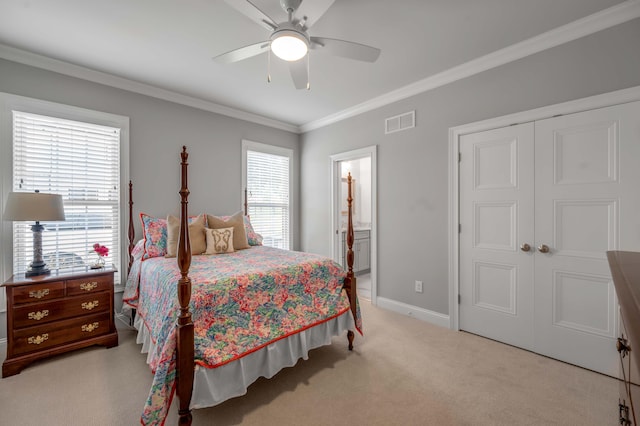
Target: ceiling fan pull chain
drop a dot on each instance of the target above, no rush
(269, 66)
(308, 70)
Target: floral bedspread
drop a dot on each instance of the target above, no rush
(241, 302)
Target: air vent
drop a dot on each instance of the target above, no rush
(400, 122)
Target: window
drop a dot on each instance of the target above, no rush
(79, 154)
(79, 161)
(267, 173)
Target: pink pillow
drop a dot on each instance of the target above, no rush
(154, 231)
(253, 237)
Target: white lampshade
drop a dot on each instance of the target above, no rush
(34, 206)
(289, 45)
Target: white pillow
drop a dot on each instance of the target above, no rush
(219, 240)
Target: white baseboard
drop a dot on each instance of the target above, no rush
(413, 311)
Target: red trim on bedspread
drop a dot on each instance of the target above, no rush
(257, 348)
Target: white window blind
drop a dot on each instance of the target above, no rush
(268, 197)
(81, 162)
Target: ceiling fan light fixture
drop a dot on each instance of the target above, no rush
(289, 45)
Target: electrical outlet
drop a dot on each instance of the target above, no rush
(418, 286)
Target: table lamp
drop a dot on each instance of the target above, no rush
(23, 206)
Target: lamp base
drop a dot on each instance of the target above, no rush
(37, 270)
(37, 267)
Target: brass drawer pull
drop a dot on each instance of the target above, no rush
(36, 340)
(39, 294)
(38, 315)
(89, 327)
(89, 286)
(89, 305)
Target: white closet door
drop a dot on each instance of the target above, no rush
(581, 199)
(496, 216)
(587, 201)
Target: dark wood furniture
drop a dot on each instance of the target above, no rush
(625, 270)
(52, 314)
(185, 364)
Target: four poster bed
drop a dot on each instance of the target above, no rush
(239, 315)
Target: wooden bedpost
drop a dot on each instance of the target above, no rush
(350, 282)
(131, 235)
(132, 232)
(185, 339)
(246, 204)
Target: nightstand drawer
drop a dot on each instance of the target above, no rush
(42, 313)
(89, 285)
(38, 292)
(37, 338)
(62, 311)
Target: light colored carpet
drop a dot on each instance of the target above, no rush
(403, 372)
(363, 282)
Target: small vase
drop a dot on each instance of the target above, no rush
(98, 263)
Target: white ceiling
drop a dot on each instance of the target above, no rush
(169, 44)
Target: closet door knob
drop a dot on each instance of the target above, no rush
(525, 247)
(543, 248)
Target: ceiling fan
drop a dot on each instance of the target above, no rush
(290, 40)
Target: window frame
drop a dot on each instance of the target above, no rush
(9, 103)
(248, 145)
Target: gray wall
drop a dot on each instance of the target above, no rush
(158, 129)
(413, 164)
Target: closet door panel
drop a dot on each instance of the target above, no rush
(586, 201)
(496, 211)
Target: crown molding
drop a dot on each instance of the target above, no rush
(599, 21)
(61, 67)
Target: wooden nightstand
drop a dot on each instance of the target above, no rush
(52, 314)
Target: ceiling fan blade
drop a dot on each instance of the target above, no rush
(243, 53)
(345, 49)
(310, 11)
(252, 12)
(298, 70)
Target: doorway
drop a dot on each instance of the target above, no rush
(361, 164)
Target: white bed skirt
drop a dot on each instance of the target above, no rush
(215, 385)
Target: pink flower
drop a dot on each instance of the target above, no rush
(101, 250)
